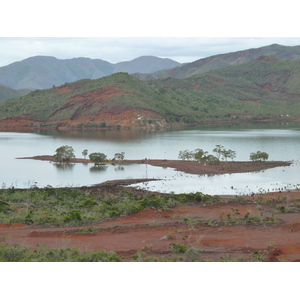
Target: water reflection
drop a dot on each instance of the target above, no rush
(64, 166)
(119, 168)
(103, 135)
(99, 168)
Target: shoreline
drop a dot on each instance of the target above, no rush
(29, 125)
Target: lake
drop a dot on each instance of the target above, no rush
(280, 141)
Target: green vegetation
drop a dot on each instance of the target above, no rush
(259, 156)
(234, 218)
(178, 248)
(98, 158)
(224, 153)
(66, 206)
(64, 154)
(79, 206)
(119, 156)
(83, 206)
(85, 153)
(202, 156)
(248, 92)
(18, 253)
(178, 252)
(50, 104)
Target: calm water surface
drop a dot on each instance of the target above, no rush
(280, 141)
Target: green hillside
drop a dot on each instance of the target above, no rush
(52, 104)
(265, 88)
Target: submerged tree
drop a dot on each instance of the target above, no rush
(64, 154)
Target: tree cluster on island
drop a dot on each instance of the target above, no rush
(220, 154)
(203, 156)
(64, 154)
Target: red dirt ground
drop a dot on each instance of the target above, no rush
(152, 231)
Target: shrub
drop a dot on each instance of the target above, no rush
(178, 248)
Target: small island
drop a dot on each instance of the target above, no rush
(191, 162)
(190, 167)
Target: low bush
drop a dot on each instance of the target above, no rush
(18, 253)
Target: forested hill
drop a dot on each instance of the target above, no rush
(263, 89)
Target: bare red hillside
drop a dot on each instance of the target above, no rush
(129, 118)
(86, 103)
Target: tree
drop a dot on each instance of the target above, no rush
(119, 156)
(264, 156)
(64, 154)
(254, 156)
(211, 159)
(229, 154)
(185, 155)
(224, 153)
(200, 155)
(219, 150)
(259, 156)
(98, 158)
(85, 153)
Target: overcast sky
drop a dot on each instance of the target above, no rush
(123, 30)
(124, 49)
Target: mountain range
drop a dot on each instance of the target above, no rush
(219, 61)
(9, 93)
(251, 88)
(42, 72)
